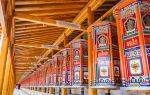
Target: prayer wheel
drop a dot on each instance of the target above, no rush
(56, 70)
(79, 63)
(105, 54)
(65, 67)
(133, 23)
(50, 69)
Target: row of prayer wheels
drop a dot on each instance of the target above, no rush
(120, 53)
(70, 67)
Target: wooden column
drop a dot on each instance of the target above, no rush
(38, 89)
(10, 85)
(90, 59)
(3, 58)
(8, 89)
(7, 75)
(64, 91)
(51, 91)
(43, 90)
(35, 90)
(12, 79)
(65, 40)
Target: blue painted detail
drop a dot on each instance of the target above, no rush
(95, 33)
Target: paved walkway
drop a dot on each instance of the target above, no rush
(19, 92)
(26, 92)
(31, 92)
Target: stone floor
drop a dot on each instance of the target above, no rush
(19, 92)
(74, 92)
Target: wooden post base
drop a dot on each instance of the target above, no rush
(51, 91)
(64, 91)
(107, 92)
(70, 91)
(82, 91)
(92, 91)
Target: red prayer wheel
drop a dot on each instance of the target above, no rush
(133, 24)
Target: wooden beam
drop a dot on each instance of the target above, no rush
(21, 67)
(27, 2)
(17, 70)
(52, 12)
(28, 27)
(25, 23)
(31, 41)
(40, 29)
(22, 63)
(27, 65)
(38, 35)
(50, 22)
(43, 35)
(37, 40)
(36, 46)
(48, 6)
(27, 57)
(24, 70)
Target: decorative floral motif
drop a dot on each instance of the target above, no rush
(104, 71)
(135, 66)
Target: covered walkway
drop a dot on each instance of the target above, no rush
(75, 47)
